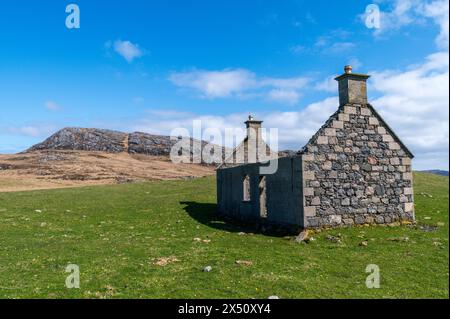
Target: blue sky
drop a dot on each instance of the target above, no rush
(156, 65)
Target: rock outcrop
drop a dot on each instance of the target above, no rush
(99, 140)
(84, 139)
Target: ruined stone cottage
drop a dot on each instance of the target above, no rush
(354, 170)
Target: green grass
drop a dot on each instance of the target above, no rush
(115, 234)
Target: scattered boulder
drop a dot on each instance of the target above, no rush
(207, 269)
(428, 228)
(244, 262)
(334, 239)
(303, 237)
(426, 195)
(4, 166)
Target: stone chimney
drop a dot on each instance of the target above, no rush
(352, 87)
(253, 128)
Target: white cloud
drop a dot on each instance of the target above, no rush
(415, 103)
(28, 130)
(299, 49)
(327, 85)
(439, 12)
(240, 83)
(284, 96)
(289, 83)
(53, 106)
(294, 128)
(128, 50)
(215, 84)
(401, 13)
(355, 63)
(339, 47)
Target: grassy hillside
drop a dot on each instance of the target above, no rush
(152, 240)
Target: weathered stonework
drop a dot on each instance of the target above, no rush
(364, 176)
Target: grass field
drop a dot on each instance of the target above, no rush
(153, 240)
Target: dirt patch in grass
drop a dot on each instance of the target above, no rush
(60, 169)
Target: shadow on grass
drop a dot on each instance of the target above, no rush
(206, 214)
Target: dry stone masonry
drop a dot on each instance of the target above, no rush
(354, 170)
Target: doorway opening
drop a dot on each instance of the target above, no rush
(262, 197)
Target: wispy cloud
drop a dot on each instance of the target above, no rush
(284, 96)
(337, 41)
(240, 83)
(295, 128)
(32, 130)
(416, 103)
(439, 12)
(215, 84)
(128, 50)
(397, 14)
(339, 47)
(52, 106)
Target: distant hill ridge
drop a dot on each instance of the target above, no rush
(92, 139)
(436, 172)
(102, 140)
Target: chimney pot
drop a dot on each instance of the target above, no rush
(348, 69)
(352, 87)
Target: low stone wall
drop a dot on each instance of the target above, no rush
(356, 172)
(280, 191)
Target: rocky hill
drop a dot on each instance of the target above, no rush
(99, 140)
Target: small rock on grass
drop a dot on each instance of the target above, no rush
(363, 243)
(302, 237)
(428, 228)
(244, 262)
(207, 269)
(273, 297)
(333, 239)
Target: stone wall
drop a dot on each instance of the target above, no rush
(356, 171)
(281, 192)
